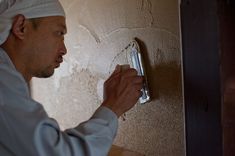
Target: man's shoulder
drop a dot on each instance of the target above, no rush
(6, 70)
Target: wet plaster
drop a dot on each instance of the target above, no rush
(97, 33)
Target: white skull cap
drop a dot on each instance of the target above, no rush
(28, 8)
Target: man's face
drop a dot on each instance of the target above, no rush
(46, 46)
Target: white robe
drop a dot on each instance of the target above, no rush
(26, 129)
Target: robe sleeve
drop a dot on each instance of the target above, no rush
(26, 129)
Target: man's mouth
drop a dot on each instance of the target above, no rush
(59, 61)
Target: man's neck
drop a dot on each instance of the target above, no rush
(12, 53)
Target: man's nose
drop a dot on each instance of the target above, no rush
(63, 49)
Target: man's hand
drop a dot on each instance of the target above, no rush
(122, 89)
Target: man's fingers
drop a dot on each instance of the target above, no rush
(129, 73)
(117, 69)
(125, 67)
(138, 80)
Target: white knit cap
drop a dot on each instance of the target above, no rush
(28, 8)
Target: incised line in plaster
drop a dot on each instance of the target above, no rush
(91, 32)
(138, 28)
(96, 36)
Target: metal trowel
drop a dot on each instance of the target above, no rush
(136, 61)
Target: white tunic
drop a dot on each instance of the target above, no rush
(26, 129)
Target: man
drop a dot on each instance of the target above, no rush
(32, 45)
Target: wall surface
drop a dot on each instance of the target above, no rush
(97, 33)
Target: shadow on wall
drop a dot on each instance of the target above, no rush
(163, 79)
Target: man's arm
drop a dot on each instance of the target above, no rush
(27, 130)
(91, 138)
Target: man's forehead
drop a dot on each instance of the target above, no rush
(58, 20)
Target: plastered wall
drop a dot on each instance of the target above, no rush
(98, 30)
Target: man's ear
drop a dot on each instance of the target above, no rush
(18, 26)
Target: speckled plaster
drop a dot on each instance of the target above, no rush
(97, 33)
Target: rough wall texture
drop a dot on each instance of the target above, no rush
(97, 32)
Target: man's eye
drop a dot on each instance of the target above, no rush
(60, 33)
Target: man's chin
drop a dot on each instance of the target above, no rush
(45, 74)
(57, 66)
